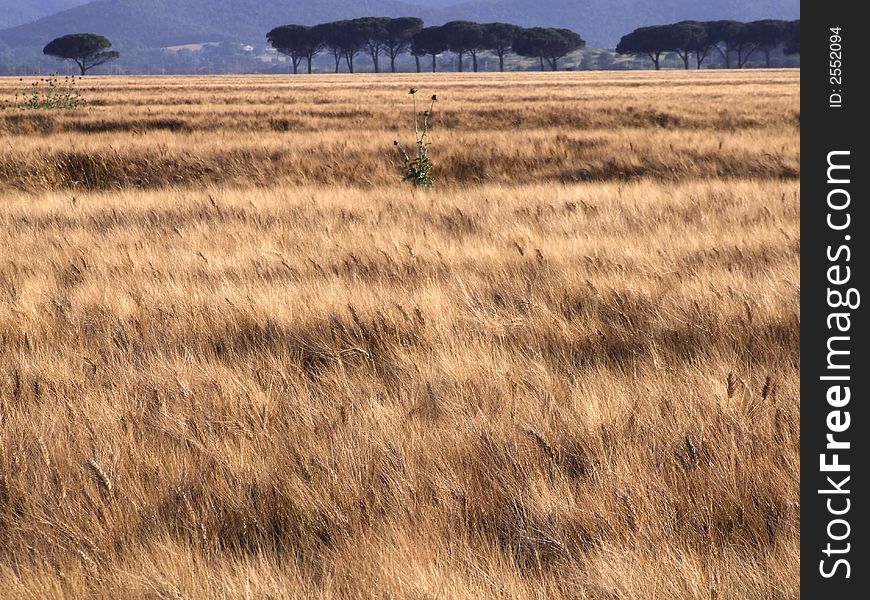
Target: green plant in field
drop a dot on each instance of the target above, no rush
(418, 169)
(47, 93)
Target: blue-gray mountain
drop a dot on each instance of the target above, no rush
(156, 23)
(16, 12)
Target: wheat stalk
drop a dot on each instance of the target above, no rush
(100, 475)
(542, 442)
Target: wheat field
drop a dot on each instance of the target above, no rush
(240, 358)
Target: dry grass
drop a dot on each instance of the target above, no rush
(526, 129)
(570, 371)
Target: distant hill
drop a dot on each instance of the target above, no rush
(16, 12)
(158, 23)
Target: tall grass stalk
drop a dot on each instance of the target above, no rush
(418, 169)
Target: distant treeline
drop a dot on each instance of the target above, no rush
(731, 39)
(385, 37)
(399, 44)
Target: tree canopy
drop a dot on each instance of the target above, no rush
(87, 50)
(699, 38)
(373, 33)
(651, 41)
(687, 37)
(463, 37)
(765, 35)
(399, 36)
(391, 37)
(547, 43)
(560, 43)
(298, 42)
(724, 37)
(429, 41)
(499, 38)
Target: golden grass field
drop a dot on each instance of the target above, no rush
(240, 358)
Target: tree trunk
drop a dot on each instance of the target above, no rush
(348, 58)
(727, 56)
(656, 58)
(417, 59)
(309, 64)
(393, 63)
(375, 57)
(474, 61)
(745, 59)
(542, 62)
(434, 63)
(554, 62)
(337, 58)
(501, 62)
(461, 56)
(767, 57)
